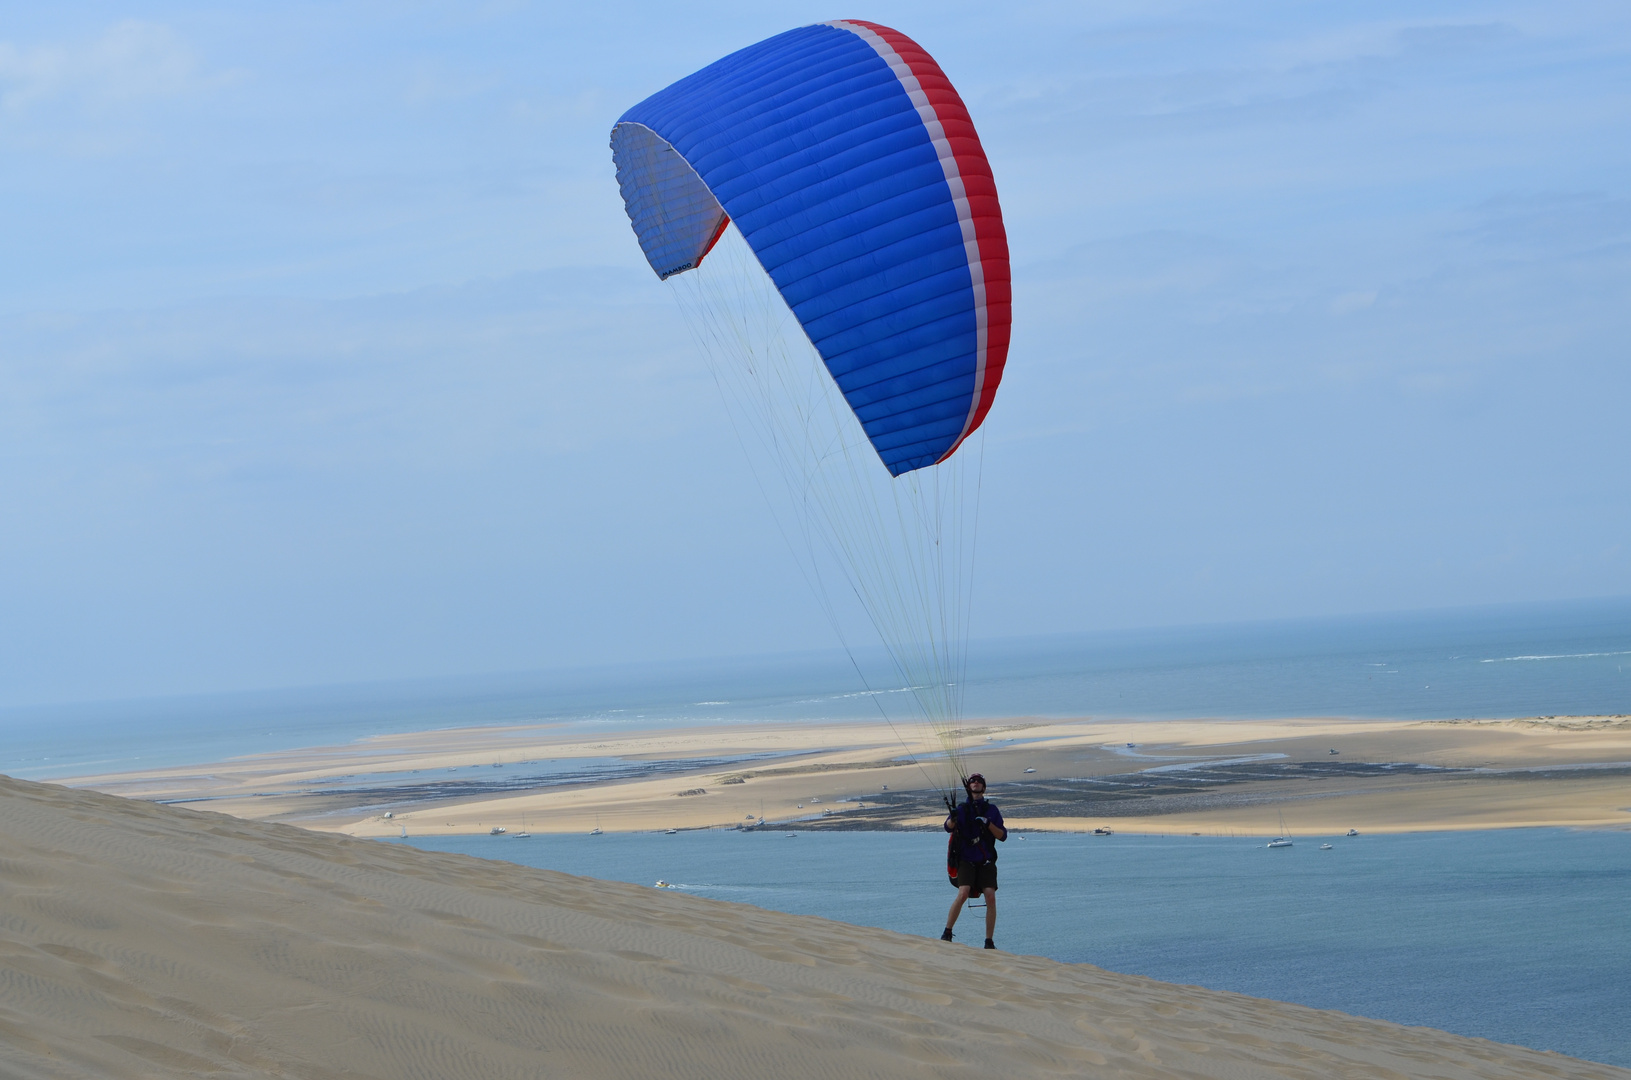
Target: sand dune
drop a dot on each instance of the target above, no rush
(139, 940)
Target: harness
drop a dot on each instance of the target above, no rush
(963, 829)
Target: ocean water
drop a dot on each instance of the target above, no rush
(1524, 660)
(1520, 936)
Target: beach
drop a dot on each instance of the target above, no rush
(144, 940)
(1213, 777)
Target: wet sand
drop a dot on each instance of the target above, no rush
(141, 941)
(1197, 776)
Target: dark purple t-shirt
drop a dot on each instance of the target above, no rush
(974, 841)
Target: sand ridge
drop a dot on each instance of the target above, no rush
(141, 940)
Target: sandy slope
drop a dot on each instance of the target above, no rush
(144, 941)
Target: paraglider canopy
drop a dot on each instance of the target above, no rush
(851, 167)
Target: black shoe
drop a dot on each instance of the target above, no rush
(946, 935)
(990, 944)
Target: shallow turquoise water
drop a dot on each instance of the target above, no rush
(1521, 936)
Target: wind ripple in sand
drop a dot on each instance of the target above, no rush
(140, 941)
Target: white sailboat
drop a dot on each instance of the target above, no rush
(1284, 839)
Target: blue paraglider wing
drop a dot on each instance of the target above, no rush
(850, 165)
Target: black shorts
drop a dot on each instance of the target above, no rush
(977, 877)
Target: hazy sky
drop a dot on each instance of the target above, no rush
(327, 354)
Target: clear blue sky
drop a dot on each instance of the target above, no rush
(326, 352)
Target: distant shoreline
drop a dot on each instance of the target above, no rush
(1322, 775)
(1419, 666)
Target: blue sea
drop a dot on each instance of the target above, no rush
(1521, 936)
(1518, 660)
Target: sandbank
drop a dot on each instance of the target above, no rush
(142, 941)
(1317, 776)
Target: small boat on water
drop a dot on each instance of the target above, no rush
(1353, 832)
(661, 884)
(595, 831)
(1280, 841)
(1325, 847)
(671, 832)
(1101, 831)
(497, 830)
(1030, 770)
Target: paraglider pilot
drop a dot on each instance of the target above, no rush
(974, 825)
